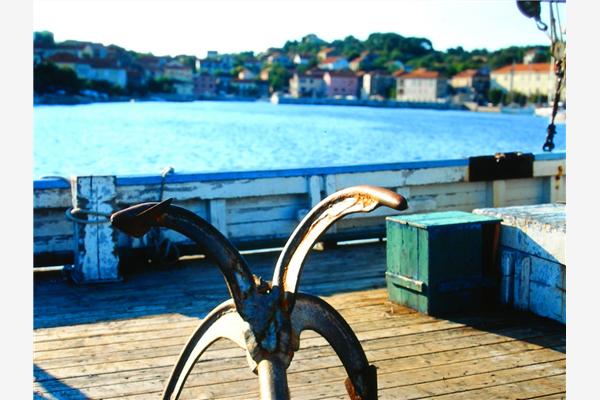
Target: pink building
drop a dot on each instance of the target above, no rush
(340, 83)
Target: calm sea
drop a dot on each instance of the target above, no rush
(144, 137)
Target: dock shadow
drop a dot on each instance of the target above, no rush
(55, 386)
(195, 286)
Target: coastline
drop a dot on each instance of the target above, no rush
(64, 99)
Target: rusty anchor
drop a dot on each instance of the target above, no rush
(266, 318)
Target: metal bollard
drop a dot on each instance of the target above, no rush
(266, 318)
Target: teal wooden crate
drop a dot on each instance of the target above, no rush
(443, 262)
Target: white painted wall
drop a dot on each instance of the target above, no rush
(253, 210)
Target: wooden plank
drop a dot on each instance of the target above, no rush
(264, 214)
(525, 191)
(96, 258)
(434, 378)
(218, 371)
(51, 198)
(132, 358)
(406, 177)
(218, 215)
(52, 244)
(215, 190)
(315, 185)
(549, 167)
(499, 193)
(280, 229)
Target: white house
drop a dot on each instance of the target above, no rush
(420, 85)
(528, 79)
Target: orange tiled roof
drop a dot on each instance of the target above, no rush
(421, 73)
(467, 73)
(66, 58)
(535, 67)
(330, 60)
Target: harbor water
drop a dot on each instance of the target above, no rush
(209, 136)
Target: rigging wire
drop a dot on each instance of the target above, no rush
(532, 9)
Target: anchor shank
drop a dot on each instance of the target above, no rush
(272, 378)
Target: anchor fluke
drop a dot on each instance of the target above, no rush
(139, 219)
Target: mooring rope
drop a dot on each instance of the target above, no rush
(164, 250)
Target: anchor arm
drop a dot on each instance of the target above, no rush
(139, 219)
(355, 199)
(315, 314)
(222, 322)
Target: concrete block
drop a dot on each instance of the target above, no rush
(546, 301)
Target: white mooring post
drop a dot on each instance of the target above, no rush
(95, 244)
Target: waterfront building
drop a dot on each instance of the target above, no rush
(528, 79)
(421, 85)
(376, 84)
(81, 67)
(208, 65)
(223, 82)
(334, 63)
(471, 84)
(136, 76)
(215, 64)
(205, 85)
(340, 83)
(177, 71)
(244, 87)
(151, 66)
(108, 70)
(43, 51)
(309, 84)
(92, 69)
(182, 75)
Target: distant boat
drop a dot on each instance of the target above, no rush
(514, 109)
(561, 114)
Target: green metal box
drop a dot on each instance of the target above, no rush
(443, 262)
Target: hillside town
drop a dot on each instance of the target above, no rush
(94, 72)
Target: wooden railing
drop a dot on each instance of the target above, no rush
(261, 208)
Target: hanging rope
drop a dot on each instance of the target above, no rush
(532, 9)
(559, 56)
(164, 251)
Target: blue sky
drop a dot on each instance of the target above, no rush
(193, 27)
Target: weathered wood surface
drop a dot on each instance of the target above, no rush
(265, 206)
(120, 340)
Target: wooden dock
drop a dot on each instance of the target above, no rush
(120, 340)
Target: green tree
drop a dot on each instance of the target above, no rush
(43, 39)
(278, 77)
(48, 78)
(161, 85)
(495, 96)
